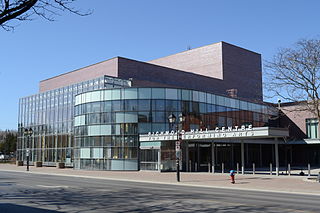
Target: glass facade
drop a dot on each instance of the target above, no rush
(107, 122)
(51, 116)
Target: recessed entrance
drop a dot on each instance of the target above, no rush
(227, 156)
(199, 157)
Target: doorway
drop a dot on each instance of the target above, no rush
(199, 157)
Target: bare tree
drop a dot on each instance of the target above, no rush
(22, 10)
(294, 75)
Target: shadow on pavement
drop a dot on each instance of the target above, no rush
(124, 199)
(13, 208)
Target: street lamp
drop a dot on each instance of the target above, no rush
(28, 133)
(279, 112)
(172, 120)
(182, 118)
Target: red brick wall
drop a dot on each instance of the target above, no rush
(201, 70)
(205, 61)
(297, 118)
(238, 68)
(242, 71)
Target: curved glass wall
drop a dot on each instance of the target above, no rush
(107, 122)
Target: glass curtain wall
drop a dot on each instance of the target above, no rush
(50, 115)
(108, 122)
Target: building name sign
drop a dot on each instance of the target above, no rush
(222, 132)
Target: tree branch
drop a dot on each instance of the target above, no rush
(23, 10)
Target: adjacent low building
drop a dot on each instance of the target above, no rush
(113, 115)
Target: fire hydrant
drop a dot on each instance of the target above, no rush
(232, 174)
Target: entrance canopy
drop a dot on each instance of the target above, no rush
(218, 134)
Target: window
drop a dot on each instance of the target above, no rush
(144, 93)
(97, 153)
(144, 117)
(85, 153)
(131, 105)
(171, 94)
(93, 118)
(312, 128)
(144, 105)
(130, 93)
(158, 105)
(158, 93)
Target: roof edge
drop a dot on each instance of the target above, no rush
(116, 57)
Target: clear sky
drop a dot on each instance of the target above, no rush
(142, 30)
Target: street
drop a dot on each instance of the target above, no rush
(33, 193)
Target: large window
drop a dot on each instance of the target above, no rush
(312, 127)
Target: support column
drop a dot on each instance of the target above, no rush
(260, 147)
(242, 157)
(55, 151)
(32, 149)
(43, 145)
(198, 157)
(232, 156)
(187, 156)
(276, 153)
(159, 160)
(212, 157)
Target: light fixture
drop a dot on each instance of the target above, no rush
(172, 118)
(182, 117)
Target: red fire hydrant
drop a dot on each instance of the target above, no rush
(232, 174)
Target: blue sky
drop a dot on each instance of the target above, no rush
(142, 30)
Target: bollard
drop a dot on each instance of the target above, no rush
(60, 165)
(213, 168)
(253, 168)
(209, 167)
(195, 167)
(222, 168)
(237, 168)
(38, 164)
(309, 172)
(270, 168)
(190, 169)
(19, 163)
(289, 169)
(319, 177)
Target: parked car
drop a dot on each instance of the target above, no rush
(4, 157)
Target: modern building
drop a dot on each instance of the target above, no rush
(113, 115)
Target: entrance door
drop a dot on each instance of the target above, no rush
(223, 157)
(204, 157)
(199, 157)
(149, 159)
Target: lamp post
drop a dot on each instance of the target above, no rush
(172, 120)
(28, 133)
(279, 111)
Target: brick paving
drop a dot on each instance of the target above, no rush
(292, 184)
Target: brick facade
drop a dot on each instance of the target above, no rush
(213, 68)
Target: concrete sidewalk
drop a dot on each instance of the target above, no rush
(292, 184)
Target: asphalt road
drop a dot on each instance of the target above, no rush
(34, 193)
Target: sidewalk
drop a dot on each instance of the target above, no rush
(292, 184)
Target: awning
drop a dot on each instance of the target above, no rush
(218, 134)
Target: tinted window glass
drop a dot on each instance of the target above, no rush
(144, 105)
